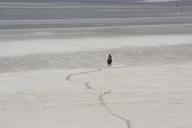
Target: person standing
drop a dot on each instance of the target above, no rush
(109, 60)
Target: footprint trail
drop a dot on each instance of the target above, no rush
(101, 96)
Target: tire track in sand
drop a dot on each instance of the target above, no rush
(101, 96)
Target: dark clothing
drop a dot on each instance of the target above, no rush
(109, 60)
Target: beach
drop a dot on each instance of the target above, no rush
(54, 73)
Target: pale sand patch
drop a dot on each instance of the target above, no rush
(149, 96)
(46, 46)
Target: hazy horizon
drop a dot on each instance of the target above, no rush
(93, 1)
